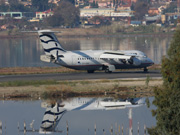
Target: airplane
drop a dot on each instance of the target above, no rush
(90, 60)
(54, 112)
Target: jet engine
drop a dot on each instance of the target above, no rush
(134, 61)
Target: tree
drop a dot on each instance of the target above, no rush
(54, 21)
(4, 8)
(141, 8)
(71, 1)
(99, 20)
(18, 7)
(40, 5)
(172, 8)
(2, 2)
(65, 14)
(94, 4)
(15, 6)
(167, 98)
(13, 2)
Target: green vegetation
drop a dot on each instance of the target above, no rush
(35, 70)
(119, 28)
(140, 8)
(52, 88)
(148, 104)
(40, 5)
(147, 80)
(27, 83)
(94, 4)
(172, 8)
(71, 1)
(66, 14)
(167, 98)
(14, 5)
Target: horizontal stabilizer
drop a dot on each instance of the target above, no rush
(46, 58)
(48, 31)
(41, 31)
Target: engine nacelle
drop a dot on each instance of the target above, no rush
(136, 61)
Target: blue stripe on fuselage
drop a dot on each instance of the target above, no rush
(55, 48)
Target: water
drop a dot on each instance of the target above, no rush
(81, 114)
(25, 52)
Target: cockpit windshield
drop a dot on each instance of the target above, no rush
(143, 54)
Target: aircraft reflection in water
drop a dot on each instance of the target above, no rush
(54, 112)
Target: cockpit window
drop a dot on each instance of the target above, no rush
(143, 55)
(134, 53)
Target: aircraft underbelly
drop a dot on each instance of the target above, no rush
(86, 67)
(129, 66)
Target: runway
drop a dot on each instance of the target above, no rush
(81, 76)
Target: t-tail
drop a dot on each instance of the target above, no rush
(50, 44)
(51, 118)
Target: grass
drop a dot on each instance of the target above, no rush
(27, 83)
(61, 89)
(34, 70)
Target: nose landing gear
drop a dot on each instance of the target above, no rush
(145, 69)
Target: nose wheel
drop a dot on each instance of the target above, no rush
(145, 69)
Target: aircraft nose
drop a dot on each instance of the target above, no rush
(150, 61)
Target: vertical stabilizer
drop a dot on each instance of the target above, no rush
(50, 43)
(51, 118)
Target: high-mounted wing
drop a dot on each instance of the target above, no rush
(116, 55)
(124, 58)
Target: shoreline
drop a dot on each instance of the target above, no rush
(64, 89)
(82, 32)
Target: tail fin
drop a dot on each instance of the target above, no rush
(50, 43)
(51, 118)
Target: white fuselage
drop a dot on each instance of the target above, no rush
(91, 60)
(54, 113)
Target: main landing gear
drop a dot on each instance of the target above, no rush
(107, 70)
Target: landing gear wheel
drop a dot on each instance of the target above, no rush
(90, 71)
(107, 71)
(145, 70)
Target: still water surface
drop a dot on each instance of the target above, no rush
(25, 52)
(81, 114)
